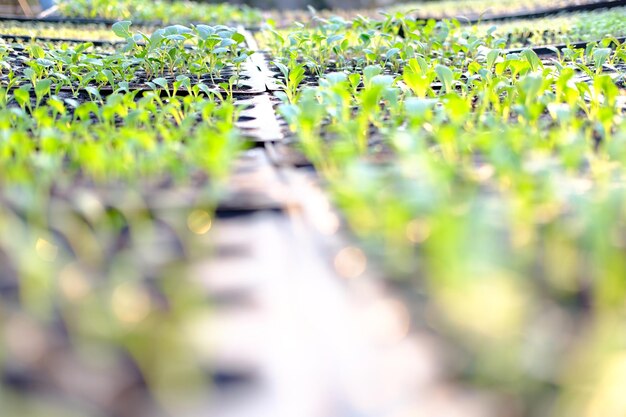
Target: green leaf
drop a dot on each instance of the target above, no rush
(365, 38)
(71, 102)
(417, 80)
(600, 56)
(175, 37)
(335, 78)
(290, 112)
(296, 75)
(241, 58)
(184, 81)
(446, 76)
(355, 80)
(533, 59)
(93, 91)
(418, 107)
(57, 105)
(83, 47)
(124, 86)
(283, 69)
(121, 29)
(205, 89)
(370, 72)
(84, 110)
(161, 82)
(46, 63)
(391, 53)
(110, 77)
(238, 37)
(492, 56)
(42, 87)
(334, 38)
(383, 80)
(204, 31)
(37, 51)
(22, 97)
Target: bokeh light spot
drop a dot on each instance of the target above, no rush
(350, 262)
(130, 303)
(199, 222)
(417, 231)
(46, 250)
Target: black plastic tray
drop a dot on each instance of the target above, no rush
(550, 49)
(534, 14)
(106, 22)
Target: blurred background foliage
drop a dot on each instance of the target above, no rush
(13, 6)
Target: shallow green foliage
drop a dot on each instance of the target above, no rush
(487, 180)
(161, 11)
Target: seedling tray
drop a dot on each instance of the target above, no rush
(107, 22)
(253, 76)
(165, 196)
(57, 19)
(532, 14)
(285, 154)
(251, 81)
(550, 50)
(25, 39)
(259, 122)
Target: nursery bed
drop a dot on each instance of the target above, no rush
(429, 205)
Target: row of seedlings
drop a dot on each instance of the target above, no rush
(115, 161)
(498, 11)
(160, 11)
(489, 183)
(185, 12)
